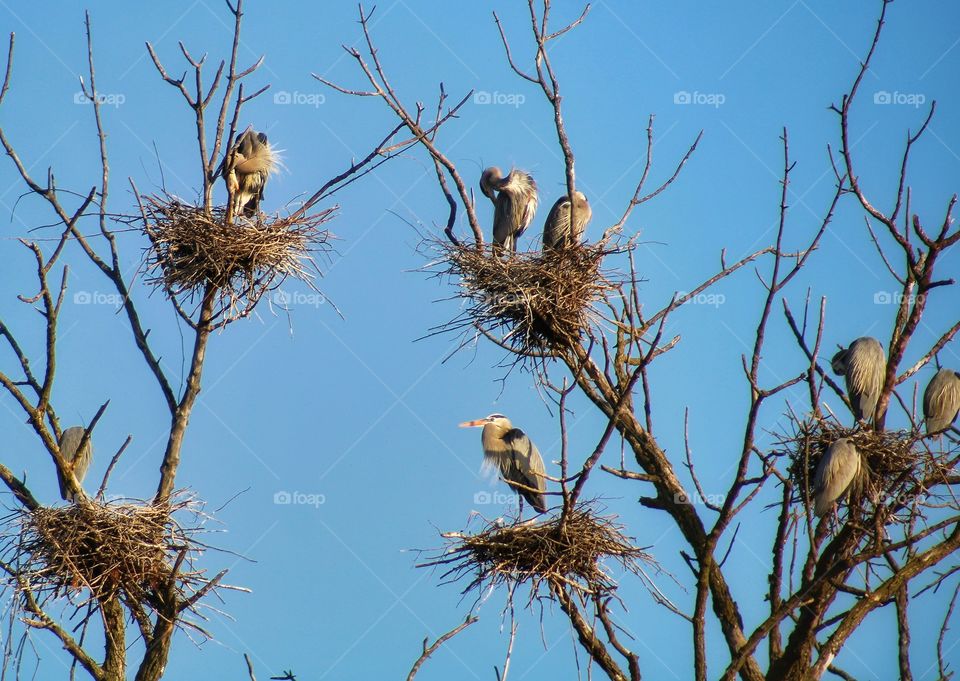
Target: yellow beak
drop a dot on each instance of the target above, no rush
(473, 424)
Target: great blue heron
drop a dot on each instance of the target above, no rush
(79, 462)
(556, 230)
(515, 456)
(862, 365)
(941, 401)
(837, 473)
(515, 202)
(254, 160)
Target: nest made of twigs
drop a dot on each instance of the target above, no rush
(569, 549)
(106, 547)
(191, 249)
(536, 301)
(891, 459)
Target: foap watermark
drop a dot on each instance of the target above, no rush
(914, 99)
(699, 499)
(514, 99)
(314, 99)
(484, 497)
(712, 299)
(714, 99)
(893, 298)
(97, 298)
(288, 299)
(114, 99)
(285, 498)
(900, 499)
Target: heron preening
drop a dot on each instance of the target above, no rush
(515, 201)
(862, 365)
(557, 232)
(941, 401)
(838, 471)
(253, 161)
(79, 461)
(515, 456)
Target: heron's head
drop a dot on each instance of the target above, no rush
(496, 421)
(490, 181)
(839, 362)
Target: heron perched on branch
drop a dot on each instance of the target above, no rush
(862, 365)
(245, 170)
(515, 201)
(941, 401)
(515, 456)
(79, 462)
(837, 473)
(557, 232)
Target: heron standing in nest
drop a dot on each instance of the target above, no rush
(79, 462)
(838, 472)
(862, 365)
(941, 401)
(515, 456)
(557, 231)
(245, 171)
(515, 201)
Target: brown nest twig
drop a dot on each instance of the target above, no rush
(568, 550)
(537, 302)
(191, 249)
(131, 548)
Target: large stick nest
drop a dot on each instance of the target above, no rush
(133, 549)
(894, 462)
(568, 550)
(536, 302)
(191, 249)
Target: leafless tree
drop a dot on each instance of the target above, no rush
(827, 575)
(40, 572)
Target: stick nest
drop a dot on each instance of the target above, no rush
(894, 462)
(191, 249)
(133, 549)
(537, 302)
(567, 550)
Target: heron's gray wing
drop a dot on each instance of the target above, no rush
(836, 471)
(525, 467)
(941, 400)
(584, 215)
(502, 220)
(866, 364)
(557, 227)
(69, 444)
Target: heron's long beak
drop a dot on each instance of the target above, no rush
(473, 424)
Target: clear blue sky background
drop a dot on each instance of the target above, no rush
(353, 409)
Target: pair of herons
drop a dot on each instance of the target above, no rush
(515, 200)
(863, 366)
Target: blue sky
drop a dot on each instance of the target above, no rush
(352, 412)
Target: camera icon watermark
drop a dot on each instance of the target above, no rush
(114, 99)
(314, 99)
(285, 498)
(514, 99)
(914, 99)
(714, 99)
